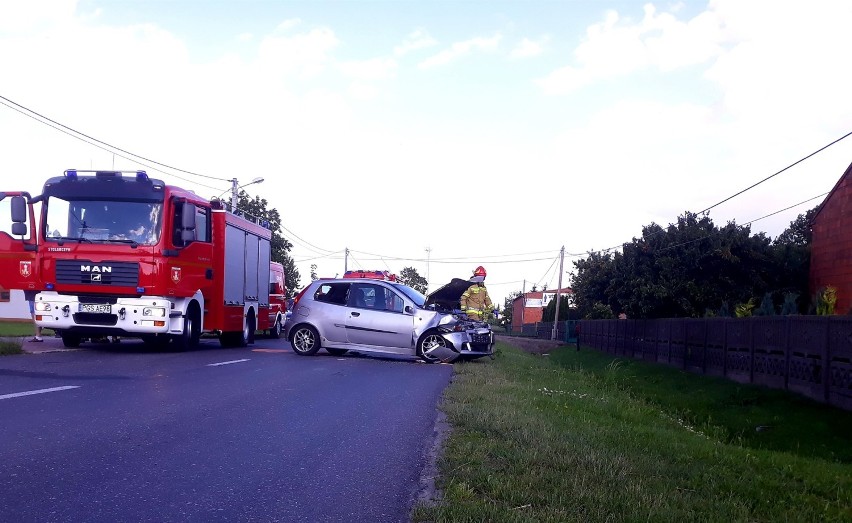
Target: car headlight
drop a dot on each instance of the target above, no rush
(154, 312)
(42, 306)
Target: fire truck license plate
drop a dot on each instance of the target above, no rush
(95, 307)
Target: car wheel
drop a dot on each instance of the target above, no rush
(305, 340)
(430, 341)
(337, 352)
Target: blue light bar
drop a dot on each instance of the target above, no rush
(71, 174)
(49, 286)
(141, 176)
(140, 290)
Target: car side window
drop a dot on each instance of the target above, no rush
(394, 301)
(332, 293)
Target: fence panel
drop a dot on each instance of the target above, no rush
(714, 362)
(649, 347)
(769, 357)
(738, 350)
(696, 333)
(677, 352)
(840, 362)
(808, 347)
(664, 333)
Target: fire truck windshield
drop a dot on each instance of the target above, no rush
(132, 222)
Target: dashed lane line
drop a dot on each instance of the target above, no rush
(39, 391)
(226, 363)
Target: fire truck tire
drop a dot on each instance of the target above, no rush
(277, 329)
(305, 340)
(70, 340)
(242, 338)
(191, 330)
(156, 341)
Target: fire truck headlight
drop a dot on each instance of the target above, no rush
(154, 312)
(42, 306)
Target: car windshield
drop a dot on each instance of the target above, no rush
(412, 294)
(96, 220)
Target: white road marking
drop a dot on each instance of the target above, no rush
(39, 391)
(225, 363)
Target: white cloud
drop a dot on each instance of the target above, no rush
(304, 54)
(616, 47)
(419, 39)
(373, 69)
(527, 48)
(460, 49)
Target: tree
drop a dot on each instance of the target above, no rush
(314, 276)
(410, 277)
(256, 209)
(508, 307)
(792, 252)
(682, 270)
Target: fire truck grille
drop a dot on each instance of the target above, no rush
(83, 272)
(88, 318)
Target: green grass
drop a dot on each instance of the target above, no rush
(20, 328)
(9, 348)
(16, 329)
(586, 437)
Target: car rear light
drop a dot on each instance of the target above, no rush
(298, 297)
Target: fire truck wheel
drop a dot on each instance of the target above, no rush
(277, 329)
(305, 340)
(191, 330)
(156, 341)
(70, 340)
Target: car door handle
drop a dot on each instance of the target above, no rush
(356, 314)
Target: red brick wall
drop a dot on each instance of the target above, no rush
(831, 245)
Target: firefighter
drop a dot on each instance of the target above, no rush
(475, 301)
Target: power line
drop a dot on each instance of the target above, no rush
(102, 142)
(776, 174)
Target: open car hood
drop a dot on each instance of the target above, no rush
(448, 296)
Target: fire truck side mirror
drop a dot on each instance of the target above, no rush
(187, 223)
(19, 215)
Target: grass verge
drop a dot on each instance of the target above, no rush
(586, 437)
(9, 348)
(20, 328)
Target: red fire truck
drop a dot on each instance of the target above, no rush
(119, 253)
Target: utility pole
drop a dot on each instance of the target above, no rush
(523, 303)
(428, 256)
(234, 195)
(346, 261)
(558, 293)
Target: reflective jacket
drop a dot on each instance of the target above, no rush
(476, 303)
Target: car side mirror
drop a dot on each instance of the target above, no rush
(408, 309)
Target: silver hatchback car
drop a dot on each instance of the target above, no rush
(386, 317)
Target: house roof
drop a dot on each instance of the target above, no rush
(839, 183)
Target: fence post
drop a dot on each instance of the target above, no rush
(788, 347)
(826, 358)
(751, 349)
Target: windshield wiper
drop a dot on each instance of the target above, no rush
(62, 239)
(133, 243)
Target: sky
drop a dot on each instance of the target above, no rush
(441, 135)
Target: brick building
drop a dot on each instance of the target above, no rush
(831, 243)
(529, 307)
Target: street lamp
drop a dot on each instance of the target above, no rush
(235, 191)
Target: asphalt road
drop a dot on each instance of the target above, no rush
(117, 433)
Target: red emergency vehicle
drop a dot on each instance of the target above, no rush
(374, 275)
(119, 253)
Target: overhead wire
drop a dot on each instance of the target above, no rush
(28, 110)
(777, 173)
